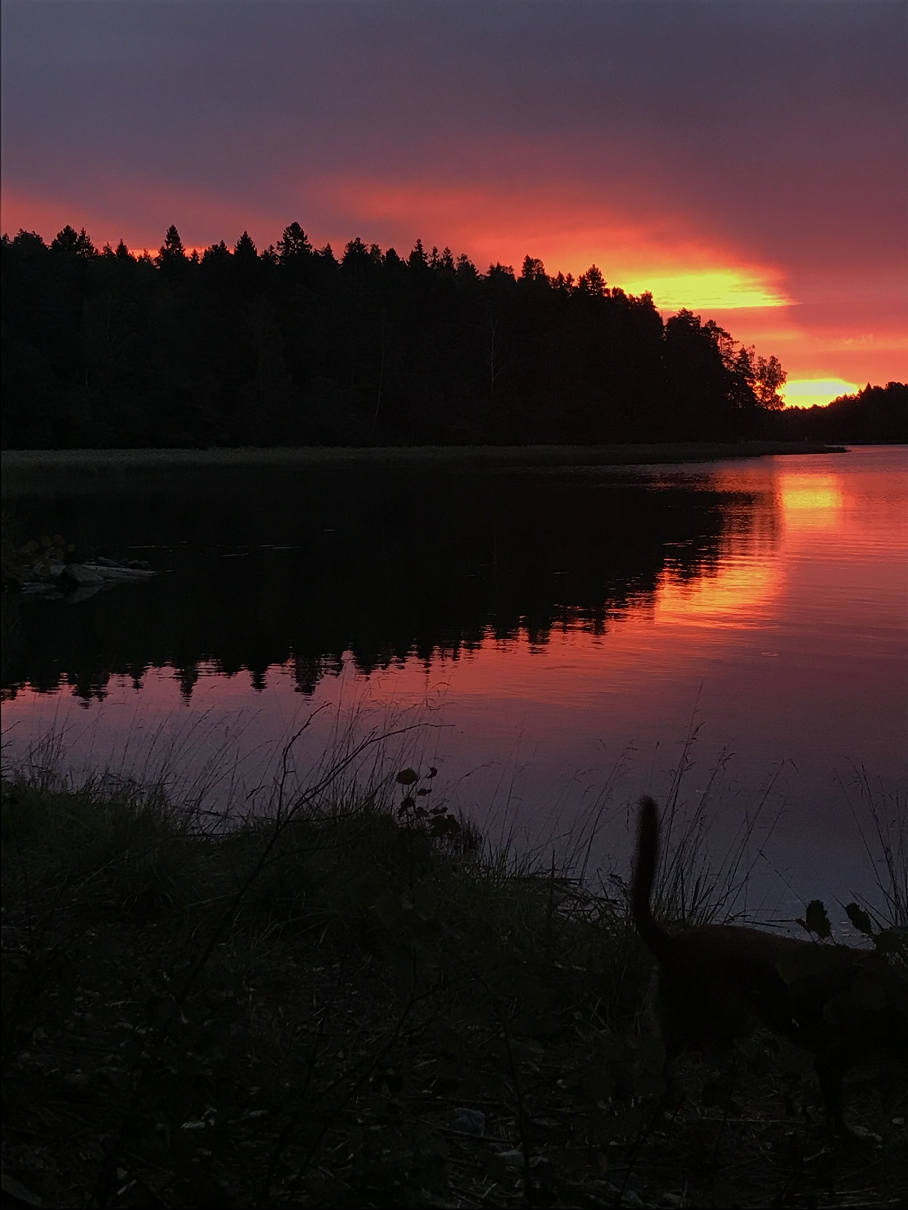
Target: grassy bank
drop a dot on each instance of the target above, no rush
(354, 1003)
(53, 462)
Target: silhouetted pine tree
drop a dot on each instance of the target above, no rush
(292, 345)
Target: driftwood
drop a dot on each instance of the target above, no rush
(78, 581)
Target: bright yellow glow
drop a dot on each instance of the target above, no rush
(811, 501)
(726, 599)
(805, 392)
(153, 252)
(722, 289)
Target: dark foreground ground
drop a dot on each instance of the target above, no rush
(355, 1009)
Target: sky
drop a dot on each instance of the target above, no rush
(747, 159)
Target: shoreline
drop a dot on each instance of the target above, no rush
(56, 461)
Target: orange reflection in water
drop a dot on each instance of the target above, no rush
(673, 631)
(790, 646)
(811, 501)
(737, 593)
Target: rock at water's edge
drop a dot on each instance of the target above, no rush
(82, 575)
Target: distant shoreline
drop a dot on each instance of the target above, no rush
(46, 462)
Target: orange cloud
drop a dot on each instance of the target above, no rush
(665, 254)
(638, 245)
(826, 342)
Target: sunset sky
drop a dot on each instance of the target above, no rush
(745, 158)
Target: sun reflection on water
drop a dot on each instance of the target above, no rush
(737, 592)
(811, 501)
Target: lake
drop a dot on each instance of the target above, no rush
(557, 639)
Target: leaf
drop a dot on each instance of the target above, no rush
(444, 825)
(859, 919)
(406, 777)
(817, 920)
(433, 772)
(423, 790)
(407, 805)
(892, 941)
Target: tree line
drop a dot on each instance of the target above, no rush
(877, 415)
(294, 345)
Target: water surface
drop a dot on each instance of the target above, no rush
(561, 631)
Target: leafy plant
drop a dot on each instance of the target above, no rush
(35, 557)
(436, 821)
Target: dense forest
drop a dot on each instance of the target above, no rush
(874, 414)
(295, 346)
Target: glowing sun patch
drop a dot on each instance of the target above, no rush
(805, 392)
(721, 290)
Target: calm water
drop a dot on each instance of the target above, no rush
(555, 635)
